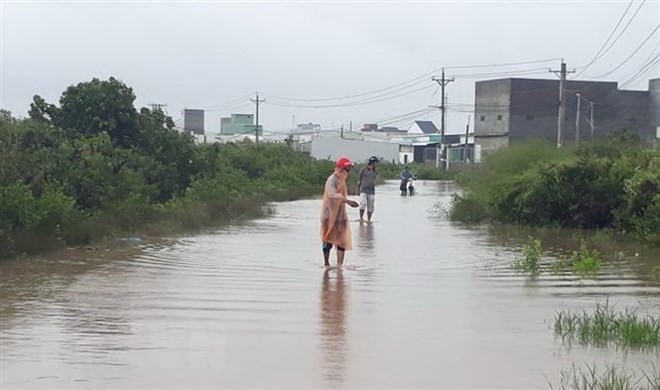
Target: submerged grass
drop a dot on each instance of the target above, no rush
(605, 326)
(611, 378)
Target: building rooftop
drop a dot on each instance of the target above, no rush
(427, 127)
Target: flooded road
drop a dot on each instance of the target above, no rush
(421, 303)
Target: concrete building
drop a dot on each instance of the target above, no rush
(239, 124)
(193, 121)
(308, 128)
(512, 110)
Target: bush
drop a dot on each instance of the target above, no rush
(595, 187)
(532, 252)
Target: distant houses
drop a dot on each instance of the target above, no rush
(238, 124)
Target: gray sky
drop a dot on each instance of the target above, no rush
(205, 54)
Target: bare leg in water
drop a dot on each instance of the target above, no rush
(340, 257)
(326, 259)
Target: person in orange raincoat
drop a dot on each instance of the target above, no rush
(335, 229)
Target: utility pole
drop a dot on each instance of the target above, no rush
(591, 114)
(443, 81)
(157, 106)
(341, 135)
(591, 120)
(577, 120)
(560, 117)
(467, 134)
(256, 128)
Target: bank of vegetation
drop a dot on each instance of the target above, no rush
(611, 185)
(94, 166)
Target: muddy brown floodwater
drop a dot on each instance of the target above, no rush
(421, 302)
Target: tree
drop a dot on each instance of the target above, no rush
(99, 106)
(42, 111)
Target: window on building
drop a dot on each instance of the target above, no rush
(529, 117)
(483, 118)
(499, 117)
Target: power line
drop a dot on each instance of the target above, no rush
(645, 68)
(510, 73)
(631, 55)
(607, 40)
(621, 33)
(220, 106)
(413, 80)
(348, 104)
(502, 64)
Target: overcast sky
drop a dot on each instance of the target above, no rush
(208, 54)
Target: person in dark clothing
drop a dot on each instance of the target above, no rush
(406, 176)
(367, 188)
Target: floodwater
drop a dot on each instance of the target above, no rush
(421, 302)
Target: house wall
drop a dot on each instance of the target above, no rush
(632, 114)
(193, 121)
(529, 109)
(406, 154)
(489, 144)
(654, 106)
(492, 99)
(238, 124)
(414, 129)
(357, 150)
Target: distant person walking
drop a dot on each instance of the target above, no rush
(335, 229)
(367, 188)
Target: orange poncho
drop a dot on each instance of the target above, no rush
(335, 228)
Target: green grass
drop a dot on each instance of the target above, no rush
(586, 261)
(529, 262)
(655, 272)
(604, 327)
(611, 378)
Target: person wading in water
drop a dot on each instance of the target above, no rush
(367, 188)
(335, 229)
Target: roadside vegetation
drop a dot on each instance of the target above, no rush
(588, 377)
(605, 326)
(612, 185)
(94, 166)
(584, 262)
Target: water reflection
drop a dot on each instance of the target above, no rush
(333, 328)
(366, 238)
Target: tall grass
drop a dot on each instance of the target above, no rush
(611, 378)
(605, 326)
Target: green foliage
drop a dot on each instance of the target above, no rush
(605, 326)
(532, 252)
(655, 272)
(467, 209)
(599, 186)
(611, 378)
(585, 260)
(94, 166)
